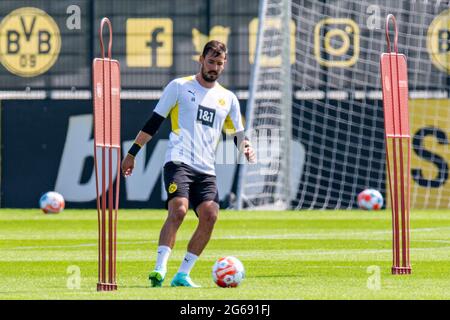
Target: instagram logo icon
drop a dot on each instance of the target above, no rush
(336, 42)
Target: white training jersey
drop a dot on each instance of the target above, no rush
(198, 115)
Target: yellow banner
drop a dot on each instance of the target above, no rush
(328, 33)
(199, 40)
(430, 153)
(30, 42)
(149, 42)
(275, 25)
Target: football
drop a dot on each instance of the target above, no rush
(52, 202)
(370, 199)
(228, 272)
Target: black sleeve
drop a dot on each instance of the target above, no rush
(153, 124)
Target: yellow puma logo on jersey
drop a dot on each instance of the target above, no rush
(173, 187)
(222, 102)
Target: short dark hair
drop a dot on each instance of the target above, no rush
(216, 47)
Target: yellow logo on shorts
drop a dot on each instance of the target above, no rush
(30, 42)
(173, 187)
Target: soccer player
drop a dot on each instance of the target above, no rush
(199, 108)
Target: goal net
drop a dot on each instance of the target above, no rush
(315, 110)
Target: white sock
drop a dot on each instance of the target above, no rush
(188, 263)
(163, 256)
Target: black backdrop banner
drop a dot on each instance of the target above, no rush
(48, 145)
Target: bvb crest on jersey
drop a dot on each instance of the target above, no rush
(173, 187)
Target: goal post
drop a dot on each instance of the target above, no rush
(266, 183)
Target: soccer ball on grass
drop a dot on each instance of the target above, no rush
(52, 202)
(228, 272)
(370, 199)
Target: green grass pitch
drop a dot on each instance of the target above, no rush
(287, 255)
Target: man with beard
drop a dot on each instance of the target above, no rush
(199, 108)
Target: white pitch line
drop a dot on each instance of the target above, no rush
(242, 237)
(352, 254)
(319, 236)
(78, 245)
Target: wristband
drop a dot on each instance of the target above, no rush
(135, 148)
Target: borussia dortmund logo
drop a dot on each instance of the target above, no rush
(438, 41)
(30, 42)
(172, 187)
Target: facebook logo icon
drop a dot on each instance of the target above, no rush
(154, 44)
(149, 42)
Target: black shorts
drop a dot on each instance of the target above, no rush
(180, 180)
